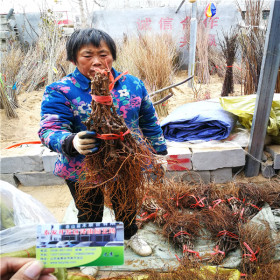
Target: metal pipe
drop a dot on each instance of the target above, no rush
(193, 31)
(180, 6)
(163, 99)
(174, 85)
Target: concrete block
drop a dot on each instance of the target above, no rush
(23, 159)
(178, 159)
(221, 175)
(190, 176)
(274, 150)
(212, 158)
(39, 179)
(49, 158)
(10, 178)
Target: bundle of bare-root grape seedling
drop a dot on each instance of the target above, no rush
(185, 211)
(118, 166)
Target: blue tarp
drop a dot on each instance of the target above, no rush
(203, 120)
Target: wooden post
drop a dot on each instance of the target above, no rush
(265, 92)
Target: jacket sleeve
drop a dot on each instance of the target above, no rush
(149, 123)
(56, 119)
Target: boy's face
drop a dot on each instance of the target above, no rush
(91, 59)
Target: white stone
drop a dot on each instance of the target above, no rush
(49, 158)
(178, 159)
(212, 158)
(274, 150)
(21, 159)
(10, 178)
(39, 179)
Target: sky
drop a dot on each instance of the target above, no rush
(30, 6)
(72, 5)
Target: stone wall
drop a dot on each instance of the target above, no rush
(33, 165)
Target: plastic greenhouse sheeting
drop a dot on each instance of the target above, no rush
(244, 106)
(203, 120)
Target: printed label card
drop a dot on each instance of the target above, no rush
(82, 244)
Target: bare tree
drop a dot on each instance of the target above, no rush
(82, 12)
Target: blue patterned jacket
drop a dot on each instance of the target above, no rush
(66, 104)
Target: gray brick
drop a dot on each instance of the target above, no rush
(21, 159)
(39, 179)
(197, 176)
(221, 175)
(10, 178)
(190, 176)
(212, 158)
(49, 158)
(274, 150)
